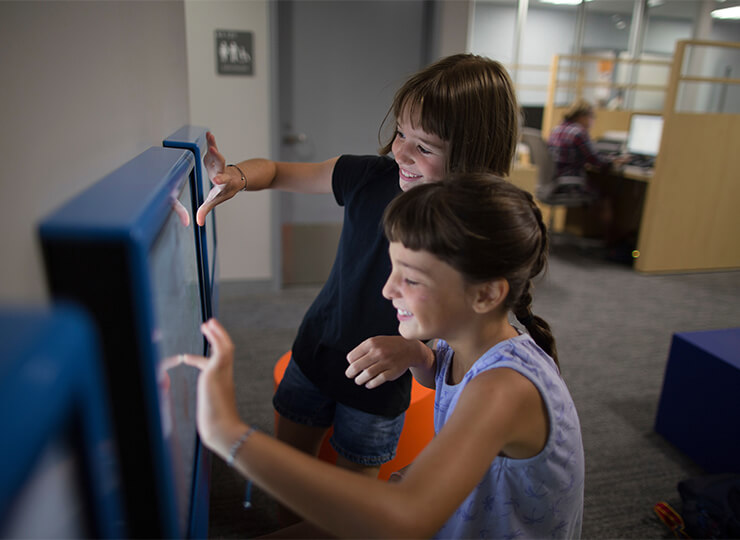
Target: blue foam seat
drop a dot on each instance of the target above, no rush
(699, 408)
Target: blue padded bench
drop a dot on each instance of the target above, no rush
(699, 408)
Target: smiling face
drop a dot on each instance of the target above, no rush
(421, 156)
(431, 298)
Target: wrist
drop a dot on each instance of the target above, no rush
(221, 438)
(236, 446)
(243, 176)
(427, 358)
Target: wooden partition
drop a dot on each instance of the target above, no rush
(691, 216)
(575, 75)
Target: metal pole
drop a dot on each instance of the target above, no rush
(521, 20)
(634, 49)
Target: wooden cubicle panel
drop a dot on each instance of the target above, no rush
(691, 219)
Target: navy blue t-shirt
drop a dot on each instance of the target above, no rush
(350, 307)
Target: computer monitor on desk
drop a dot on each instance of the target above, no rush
(644, 135)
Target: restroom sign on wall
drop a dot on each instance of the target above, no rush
(234, 54)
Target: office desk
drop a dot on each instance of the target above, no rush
(626, 190)
(631, 172)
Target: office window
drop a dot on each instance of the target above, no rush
(667, 22)
(608, 25)
(607, 34)
(549, 30)
(717, 94)
(636, 54)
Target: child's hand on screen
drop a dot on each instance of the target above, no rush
(216, 166)
(213, 160)
(217, 415)
(218, 194)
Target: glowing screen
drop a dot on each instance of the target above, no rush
(644, 135)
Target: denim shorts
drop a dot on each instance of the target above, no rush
(363, 438)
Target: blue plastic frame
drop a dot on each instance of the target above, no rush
(193, 138)
(123, 214)
(51, 387)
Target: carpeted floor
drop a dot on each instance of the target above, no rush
(613, 329)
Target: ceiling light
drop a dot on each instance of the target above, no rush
(562, 2)
(727, 13)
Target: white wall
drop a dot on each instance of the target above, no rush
(453, 27)
(86, 87)
(237, 110)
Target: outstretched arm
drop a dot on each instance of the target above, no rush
(347, 504)
(385, 358)
(257, 174)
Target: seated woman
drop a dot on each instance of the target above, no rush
(572, 150)
(570, 143)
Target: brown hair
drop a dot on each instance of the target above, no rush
(485, 228)
(580, 107)
(469, 101)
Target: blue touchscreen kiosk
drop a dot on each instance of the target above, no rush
(126, 250)
(59, 475)
(193, 138)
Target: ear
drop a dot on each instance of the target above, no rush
(490, 295)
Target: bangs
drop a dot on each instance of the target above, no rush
(420, 102)
(424, 219)
(415, 220)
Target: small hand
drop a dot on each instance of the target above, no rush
(216, 196)
(215, 162)
(226, 183)
(217, 415)
(381, 359)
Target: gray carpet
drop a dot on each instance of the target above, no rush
(613, 329)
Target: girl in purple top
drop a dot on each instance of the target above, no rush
(507, 460)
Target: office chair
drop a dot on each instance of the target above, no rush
(568, 191)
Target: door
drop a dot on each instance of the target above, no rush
(339, 65)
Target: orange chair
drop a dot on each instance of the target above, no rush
(418, 427)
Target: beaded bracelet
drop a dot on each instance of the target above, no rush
(237, 445)
(244, 178)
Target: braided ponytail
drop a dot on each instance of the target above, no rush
(536, 326)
